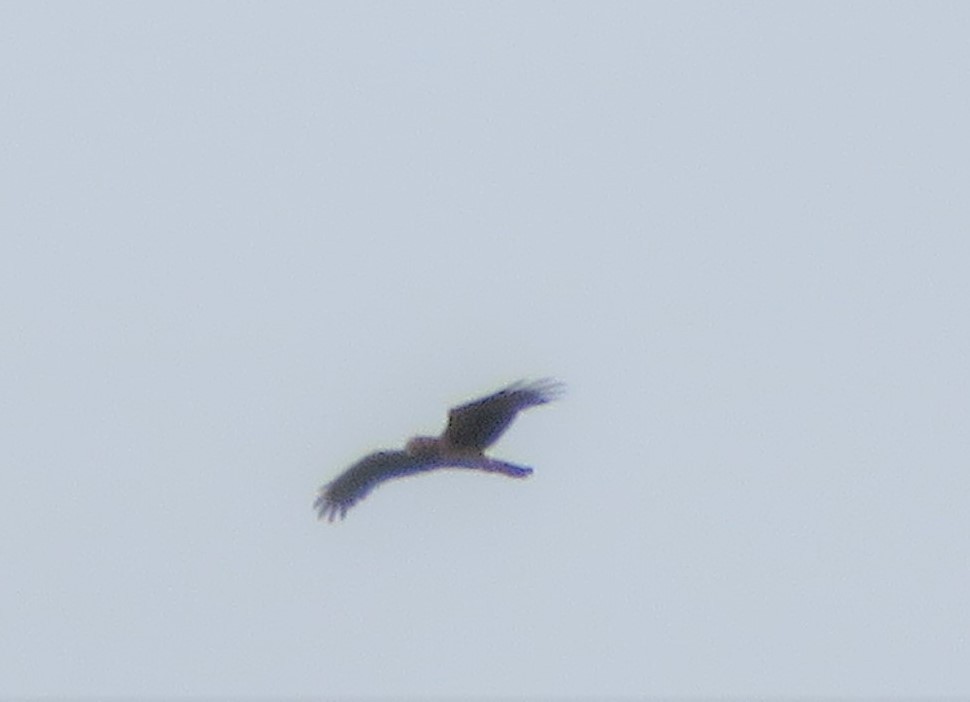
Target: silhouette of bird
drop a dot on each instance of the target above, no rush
(471, 429)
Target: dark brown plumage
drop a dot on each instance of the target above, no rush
(471, 428)
(480, 423)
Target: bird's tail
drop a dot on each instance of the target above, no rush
(510, 469)
(491, 465)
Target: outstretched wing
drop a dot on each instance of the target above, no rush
(480, 423)
(351, 486)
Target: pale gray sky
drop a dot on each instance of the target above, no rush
(245, 243)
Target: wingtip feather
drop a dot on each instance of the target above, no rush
(543, 389)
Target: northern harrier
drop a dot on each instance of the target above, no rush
(471, 429)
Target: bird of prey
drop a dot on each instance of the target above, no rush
(471, 429)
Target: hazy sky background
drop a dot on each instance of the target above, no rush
(242, 244)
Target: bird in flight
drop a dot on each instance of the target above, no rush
(471, 429)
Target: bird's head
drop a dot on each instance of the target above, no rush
(423, 446)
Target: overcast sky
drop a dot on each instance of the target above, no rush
(243, 244)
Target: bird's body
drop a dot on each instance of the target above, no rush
(471, 429)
